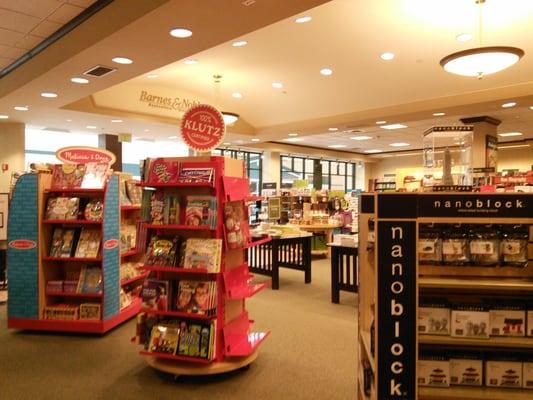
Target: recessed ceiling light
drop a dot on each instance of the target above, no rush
(373, 151)
(293, 139)
(393, 126)
(399, 144)
(509, 105)
(49, 95)
(337, 146)
(68, 120)
(2, 116)
(387, 56)
(226, 143)
(180, 33)
(381, 122)
(116, 120)
(147, 130)
(507, 134)
(152, 76)
(122, 60)
(303, 20)
(277, 85)
(172, 137)
(237, 95)
(438, 114)
(21, 108)
(293, 134)
(191, 61)
(361, 137)
(326, 71)
(463, 37)
(239, 43)
(91, 127)
(256, 140)
(333, 129)
(81, 81)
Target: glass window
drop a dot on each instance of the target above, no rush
(309, 166)
(342, 168)
(298, 164)
(325, 166)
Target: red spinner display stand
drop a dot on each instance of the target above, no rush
(234, 345)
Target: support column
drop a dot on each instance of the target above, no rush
(111, 143)
(12, 157)
(485, 141)
(271, 167)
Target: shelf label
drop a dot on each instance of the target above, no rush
(110, 244)
(23, 244)
(397, 310)
(203, 128)
(84, 155)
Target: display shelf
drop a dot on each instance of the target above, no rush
(238, 341)
(129, 253)
(478, 284)
(71, 222)
(175, 357)
(365, 340)
(180, 227)
(73, 259)
(496, 271)
(494, 341)
(177, 270)
(178, 314)
(140, 277)
(473, 393)
(237, 283)
(130, 208)
(76, 190)
(73, 294)
(175, 184)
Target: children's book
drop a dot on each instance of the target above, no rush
(235, 225)
(195, 174)
(201, 211)
(57, 242)
(196, 297)
(134, 191)
(90, 280)
(155, 294)
(157, 208)
(203, 253)
(163, 171)
(162, 251)
(89, 311)
(67, 242)
(62, 208)
(164, 339)
(67, 176)
(94, 210)
(171, 210)
(88, 243)
(95, 175)
(189, 343)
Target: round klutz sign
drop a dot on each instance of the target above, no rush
(203, 128)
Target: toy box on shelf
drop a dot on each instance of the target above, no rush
(194, 319)
(64, 251)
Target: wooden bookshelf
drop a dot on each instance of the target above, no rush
(473, 393)
(507, 342)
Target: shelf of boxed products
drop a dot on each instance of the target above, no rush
(493, 271)
(177, 270)
(472, 393)
(71, 222)
(365, 340)
(129, 253)
(137, 278)
(238, 286)
(178, 314)
(73, 294)
(180, 227)
(493, 341)
(130, 207)
(477, 284)
(157, 185)
(75, 190)
(74, 259)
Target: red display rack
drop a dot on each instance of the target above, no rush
(235, 346)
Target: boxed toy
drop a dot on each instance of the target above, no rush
(527, 374)
(503, 373)
(530, 322)
(433, 371)
(434, 318)
(466, 370)
(470, 321)
(507, 320)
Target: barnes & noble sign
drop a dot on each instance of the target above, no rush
(167, 103)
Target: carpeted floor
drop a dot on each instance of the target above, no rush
(310, 354)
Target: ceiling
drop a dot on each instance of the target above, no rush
(347, 36)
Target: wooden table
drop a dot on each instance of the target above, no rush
(328, 231)
(343, 270)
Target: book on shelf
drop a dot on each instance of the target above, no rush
(57, 242)
(197, 339)
(67, 176)
(192, 173)
(164, 339)
(171, 209)
(162, 251)
(94, 210)
(124, 199)
(128, 235)
(157, 208)
(66, 208)
(155, 294)
(90, 280)
(89, 311)
(196, 297)
(63, 242)
(163, 170)
(95, 175)
(235, 225)
(203, 253)
(201, 211)
(134, 191)
(88, 243)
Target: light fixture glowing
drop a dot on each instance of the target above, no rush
(49, 95)
(372, 151)
(91, 127)
(399, 144)
(277, 85)
(463, 37)
(361, 137)
(229, 118)
(507, 134)
(393, 126)
(78, 80)
(152, 76)
(381, 122)
(438, 114)
(116, 121)
(21, 108)
(481, 61)
(237, 95)
(326, 71)
(509, 105)
(256, 140)
(172, 137)
(2, 116)
(387, 56)
(180, 33)
(191, 61)
(514, 146)
(333, 129)
(239, 43)
(293, 139)
(303, 20)
(531, 107)
(147, 130)
(226, 143)
(68, 120)
(293, 134)
(337, 146)
(122, 60)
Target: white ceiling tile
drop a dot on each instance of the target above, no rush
(28, 42)
(46, 28)
(9, 37)
(65, 13)
(16, 21)
(36, 8)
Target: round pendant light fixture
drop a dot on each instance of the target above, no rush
(483, 60)
(229, 117)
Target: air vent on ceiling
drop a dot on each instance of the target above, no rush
(60, 130)
(99, 71)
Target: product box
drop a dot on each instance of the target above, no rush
(433, 372)
(54, 286)
(527, 374)
(471, 322)
(507, 321)
(503, 374)
(529, 323)
(434, 319)
(466, 371)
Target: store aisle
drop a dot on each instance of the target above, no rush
(310, 354)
